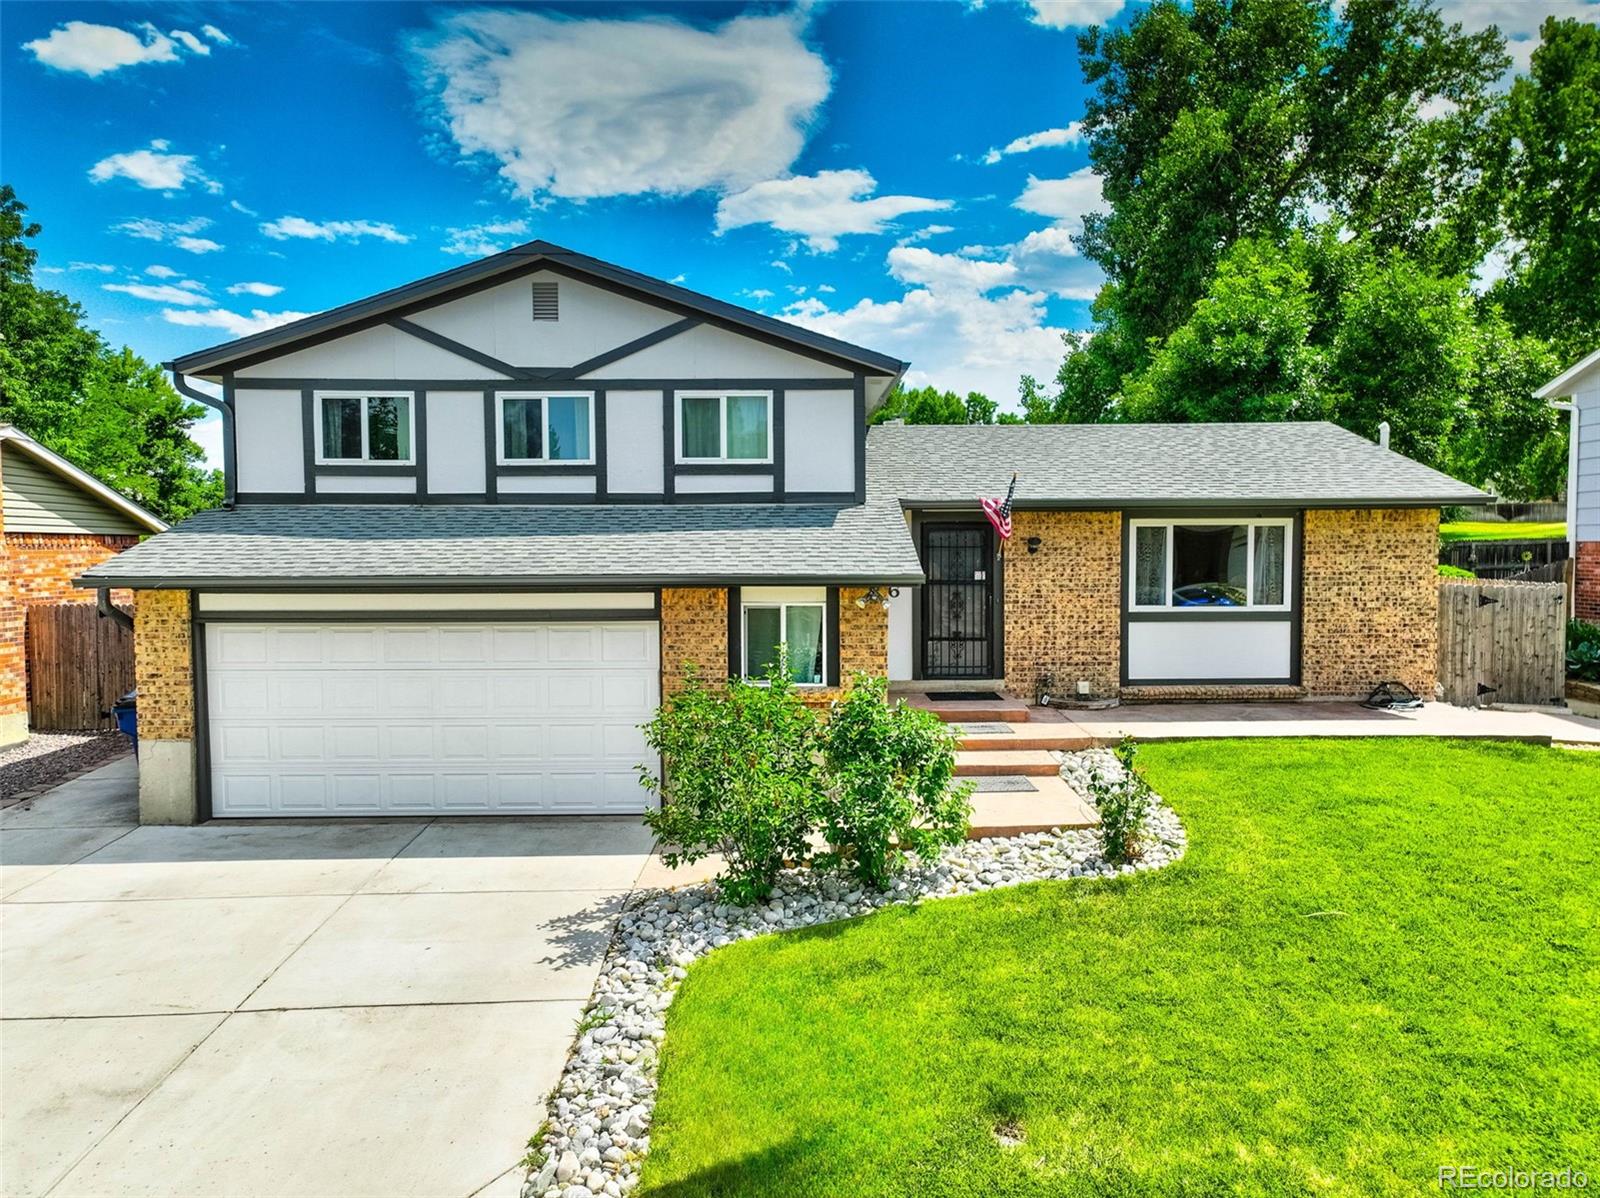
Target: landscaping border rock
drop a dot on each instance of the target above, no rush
(597, 1128)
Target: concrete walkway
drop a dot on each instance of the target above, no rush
(335, 1009)
(1189, 721)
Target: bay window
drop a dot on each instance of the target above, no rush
(356, 426)
(546, 427)
(1199, 564)
(725, 427)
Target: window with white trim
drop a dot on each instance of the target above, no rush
(545, 426)
(798, 624)
(1210, 565)
(725, 426)
(364, 426)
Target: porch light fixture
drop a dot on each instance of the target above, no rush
(876, 595)
(1033, 544)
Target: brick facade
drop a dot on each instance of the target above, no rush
(1370, 600)
(164, 665)
(694, 629)
(1586, 582)
(1063, 604)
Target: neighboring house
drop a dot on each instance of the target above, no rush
(482, 521)
(55, 522)
(1577, 392)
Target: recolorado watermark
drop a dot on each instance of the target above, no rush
(1471, 1177)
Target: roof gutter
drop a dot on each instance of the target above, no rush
(223, 406)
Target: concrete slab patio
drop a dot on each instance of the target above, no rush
(330, 1008)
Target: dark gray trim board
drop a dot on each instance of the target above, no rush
(1215, 615)
(202, 714)
(466, 352)
(512, 264)
(638, 344)
(735, 632)
(831, 619)
(860, 425)
(553, 383)
(543, 498)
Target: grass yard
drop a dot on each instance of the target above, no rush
(1496, 530)
(1378, 957)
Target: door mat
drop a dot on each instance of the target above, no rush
(986, 729)
(964, 696)
(998, 783)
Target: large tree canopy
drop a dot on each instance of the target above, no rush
(1298, 200)
(929, 405)
(106, 411)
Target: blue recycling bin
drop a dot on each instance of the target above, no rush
(126, 712)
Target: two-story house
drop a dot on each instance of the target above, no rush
(478, 524)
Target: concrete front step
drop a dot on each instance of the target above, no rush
(1031, 736)
(1031, 762)
(1053, 805)
(973, 711)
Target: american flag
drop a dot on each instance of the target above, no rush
(999, 511)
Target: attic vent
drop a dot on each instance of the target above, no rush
(546, 302)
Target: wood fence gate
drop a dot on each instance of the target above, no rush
(1502, 642)
(79, 664)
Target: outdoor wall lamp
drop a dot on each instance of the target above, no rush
(876, 595)
(1033, 544)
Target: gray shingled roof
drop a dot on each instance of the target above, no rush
(669, 544)
(1149, 465)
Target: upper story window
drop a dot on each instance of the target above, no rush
(1196, 565)
(540, 426)
(361, 426)
(725, 427)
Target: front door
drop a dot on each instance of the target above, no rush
(958, 601)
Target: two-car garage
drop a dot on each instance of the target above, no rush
(416, 703)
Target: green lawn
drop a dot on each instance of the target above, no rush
(1378, 957)
(1495, 530)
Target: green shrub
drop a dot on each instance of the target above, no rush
(890, 783)
(1583, 650)
(740, 777)
(1455, 572)
(1123, 803)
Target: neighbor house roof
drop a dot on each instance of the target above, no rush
(15, 439)
(1562, 384)
(272, 545)
(524, 259)
(1149, 465)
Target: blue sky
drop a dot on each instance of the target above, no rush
(904, 175)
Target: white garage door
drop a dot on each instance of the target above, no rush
(398, 718)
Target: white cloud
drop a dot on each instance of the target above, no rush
(154, 169)
(238, 207)
(580, 107)
(192, 285)
(104, 268)
(780, 264)
(924, 233)
(216, 35)
(759, 293)
(232, 322)
(174, 233)
(286, 227)
(1065, 200)
(821, 207)
(1072, 14)
(1069, 135)
(157, 293)
(95, 49)
(924, 268)
(161, 272)
(479, 241)
(265, 290)
(1518, 20)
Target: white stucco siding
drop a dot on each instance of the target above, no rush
(1204, 649)
(546, 484)
(902, 646)
(499, 322)
(819, 441)
(367, 484)
(708, 352)
(455, 443)
(634, 447)
(269, 442)
(717, 484)
(383, 352)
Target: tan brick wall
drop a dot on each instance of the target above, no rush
(163, 665)
(694, 628)
(1063, 604)
(1371, 605)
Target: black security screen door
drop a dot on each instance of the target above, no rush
(957, 603)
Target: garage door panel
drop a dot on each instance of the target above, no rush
(398, 719)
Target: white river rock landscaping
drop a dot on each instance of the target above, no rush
(597, 1130)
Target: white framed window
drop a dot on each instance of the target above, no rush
(364, 427)
(795, 617)
(1210, 565)
(717, 427)
(544, 426)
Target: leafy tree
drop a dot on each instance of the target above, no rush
(1548, 171)
(929, 405)
(107, 411)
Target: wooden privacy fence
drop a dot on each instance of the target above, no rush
(1502, 642)
(79, 664)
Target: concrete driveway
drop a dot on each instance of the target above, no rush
(309, 1009)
